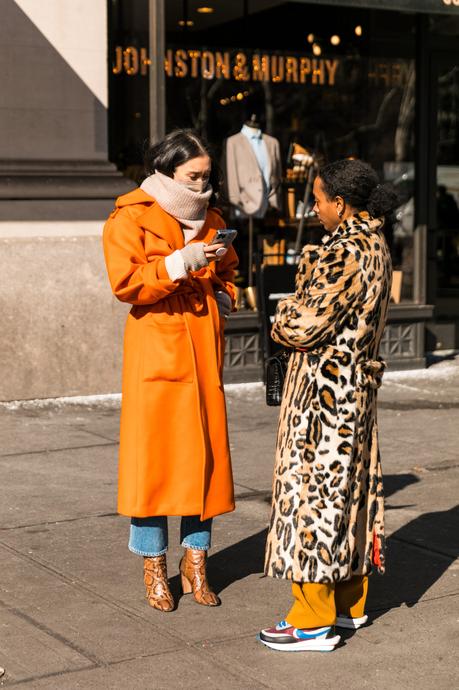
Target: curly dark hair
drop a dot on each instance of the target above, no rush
(358, 184)
(179, 147)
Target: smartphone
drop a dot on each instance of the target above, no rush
(224, 236)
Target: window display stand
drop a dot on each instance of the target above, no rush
(267, 253)
(307, 193)
(250, 253)
(250, 294)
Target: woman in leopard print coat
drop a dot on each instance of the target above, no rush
(327, 522)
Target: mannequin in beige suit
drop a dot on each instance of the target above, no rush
(246, 187)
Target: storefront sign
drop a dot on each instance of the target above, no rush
(244, 67)
(131, 61)
(208, 64)
(389, 73)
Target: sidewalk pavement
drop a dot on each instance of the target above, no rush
(72, 607)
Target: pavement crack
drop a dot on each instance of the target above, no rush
(405, 506)
(229, 668)
(417, 405)
(117, 662)
(244, 486)
(77, 584)
(264, 496)
(45, 451)
(45, 676)
(96, 434)
(49, 523)
(442, 468)
(52, 633)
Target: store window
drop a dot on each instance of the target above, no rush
(445, 95)
(325, 81)
(128, 78)
(447, 206)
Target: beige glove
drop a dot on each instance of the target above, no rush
(194, 257)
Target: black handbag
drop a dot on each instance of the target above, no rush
(276, 371)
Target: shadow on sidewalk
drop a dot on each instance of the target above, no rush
(247, 556)
(433, 358)
(238, 561)
(397, 482)
(232, 564)
(418, 555)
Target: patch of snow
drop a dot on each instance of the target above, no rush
(110, 400)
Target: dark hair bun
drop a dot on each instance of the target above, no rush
(358, 184)
(382, 200)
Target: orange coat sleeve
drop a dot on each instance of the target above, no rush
(134, 277)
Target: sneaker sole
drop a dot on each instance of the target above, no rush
(281, 637)
(303, 645)
(351, 624)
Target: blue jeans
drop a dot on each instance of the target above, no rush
(149, 537)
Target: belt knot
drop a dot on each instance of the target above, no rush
(369, 372)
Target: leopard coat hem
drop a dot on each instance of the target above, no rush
(327, 518)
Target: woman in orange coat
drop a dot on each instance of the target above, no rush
(174, 451)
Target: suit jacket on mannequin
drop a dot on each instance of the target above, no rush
(244, 178)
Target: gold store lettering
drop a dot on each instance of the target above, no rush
(223, 69)
(388, 74)
(194, 55)
(207, 64)
(240, 71)
(261, 68)
(181, 67)
(277, 68)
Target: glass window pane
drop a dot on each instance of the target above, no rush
(338, 83)
(447, 210)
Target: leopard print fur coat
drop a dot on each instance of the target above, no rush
(327, 520)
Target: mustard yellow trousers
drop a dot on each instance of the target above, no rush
(317, 605)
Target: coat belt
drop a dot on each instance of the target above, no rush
(195, 293)
(368, 372)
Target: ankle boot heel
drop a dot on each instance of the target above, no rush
(186, 585)
(194, 578)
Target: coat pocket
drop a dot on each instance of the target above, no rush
(167, 353)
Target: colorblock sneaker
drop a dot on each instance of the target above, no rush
(285, 638)
(350, 623)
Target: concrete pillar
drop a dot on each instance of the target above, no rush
(61, 328)
(157, 79)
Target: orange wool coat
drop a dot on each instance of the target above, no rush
(174, 450)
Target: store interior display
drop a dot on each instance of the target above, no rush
(265, 78)
(253, 174)
(299, 160)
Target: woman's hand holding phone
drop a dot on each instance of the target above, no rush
(219, 244)
(214, 252)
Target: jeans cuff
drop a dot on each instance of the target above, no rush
(195, 547)
(144, 553)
